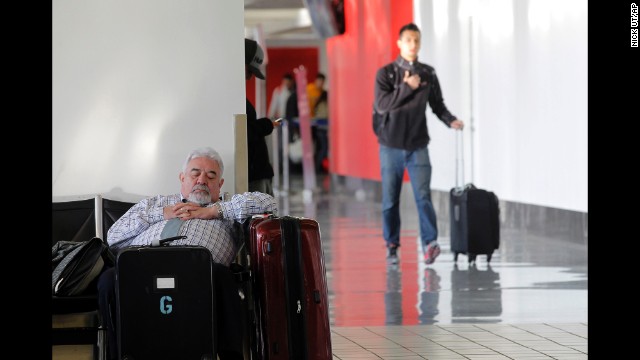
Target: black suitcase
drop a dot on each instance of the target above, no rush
(475, 222)
(165, 303)
(474, 215)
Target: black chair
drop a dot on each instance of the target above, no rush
(112, 210)
(76, 221)
(81, 220)
(73, 220)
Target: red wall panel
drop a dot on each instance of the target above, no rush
(281, 61)
(368, 43)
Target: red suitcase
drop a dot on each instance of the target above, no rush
(288, 275)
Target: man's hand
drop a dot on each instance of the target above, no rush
(457, 124)
(277, 122)
(412, 80)
(187, 211)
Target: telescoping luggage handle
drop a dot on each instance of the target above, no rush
(161, 242)
(459, 161)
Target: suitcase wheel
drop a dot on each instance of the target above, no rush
(455, 256)
(489, 257)
(472, 258)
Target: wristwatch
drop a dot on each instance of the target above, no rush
(220, 211)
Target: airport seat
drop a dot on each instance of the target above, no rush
(76, 319)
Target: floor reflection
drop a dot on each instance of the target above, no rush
(427, 301)
(475, 294)
(429, 297)
(529, 279)
(393, 296)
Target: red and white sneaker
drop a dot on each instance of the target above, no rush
(432, 252)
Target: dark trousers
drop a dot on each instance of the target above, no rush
(229, 313)
(322, 148)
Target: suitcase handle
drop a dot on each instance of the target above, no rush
(159, 242)
(459, 161)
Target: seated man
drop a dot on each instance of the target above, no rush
(207, 222)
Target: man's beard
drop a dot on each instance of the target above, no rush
(199, 197)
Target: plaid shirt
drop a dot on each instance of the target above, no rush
(144, 222)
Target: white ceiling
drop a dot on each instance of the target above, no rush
(282, 22)
(273, 4)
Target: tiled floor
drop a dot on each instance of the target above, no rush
(529, 303)
(462, 341)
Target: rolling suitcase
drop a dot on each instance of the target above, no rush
(474, 216)
(165, 303)
(291, 309)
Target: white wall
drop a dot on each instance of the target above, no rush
(137, 84)
(527, 61)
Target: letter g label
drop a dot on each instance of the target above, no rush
(165, 304)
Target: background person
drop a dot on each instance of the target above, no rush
(314, 90)
(279, 97)
(260, 169)
(320, 129)
(402, 91)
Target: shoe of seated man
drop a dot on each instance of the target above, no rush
(431, 253)
(392, 255)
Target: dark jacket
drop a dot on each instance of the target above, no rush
(404, 124)
(258, 154)
(291, 109)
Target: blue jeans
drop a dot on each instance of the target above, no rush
(392, 164)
